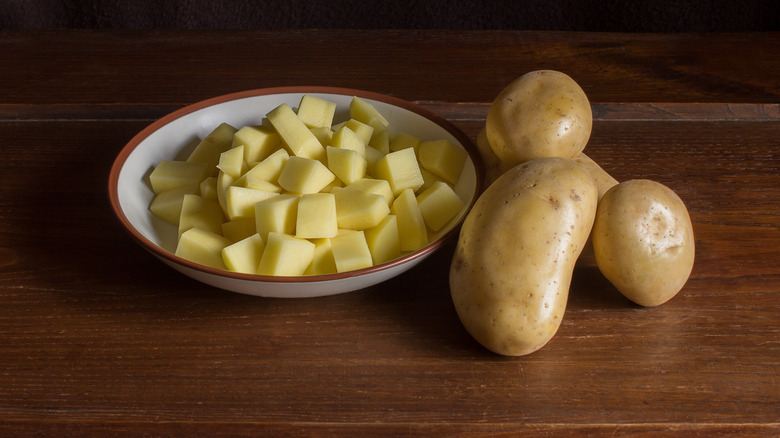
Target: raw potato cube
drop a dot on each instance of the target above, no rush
(375, 186)
(323, 262)
(316, 112)
(350, 251)
(269, 169)
(167, 205)
(442, 158)
(258, 141)
(171, 174)
(411, 225)
(383, 240)
(223, 182)
(202, 246)
(362, 130)
(359, 210)
(240, 201)
(232, 162)
(202, 213)
(346, 138)
(208, 150)
(324, 135)
(439, 204)
(244, 255)
(239, 228)
(403, 140)
(285, 255)
(401, 170)
(316, 216)
(380, 141)
(346, 164)
(304, 175)
(373, 156)
(428, 180)
(259, 184)
(208, 188)
(364, 112)
(277, 214)
(295, 134)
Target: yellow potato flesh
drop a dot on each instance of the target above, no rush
(512, 267)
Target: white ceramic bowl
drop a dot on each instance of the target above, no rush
(166, 138)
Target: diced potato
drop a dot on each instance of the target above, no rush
(401, 170)
(403, 140)
(223, 182)
(350, 251)
(203, 247)
(364, 112)
(323, 262)
(316, 216)
(373, 156)
(383, 240)
(324, 135)
(208, 150)
(170, 174)
(239, 228)
(232, 162)
(442, 158)
(439, 204)
(167, 205)
(269, 169)
(359, 210)
(362, 130)
(240, 201)
(197, 211)
(208, 188)
(277, 214)
(244, 255)
(380, 141)
(411, 225)
(345, 138)
(259, 184)
(295, 134)
(285, 255)
(375, 186)
(304, 175)
(316, 112)
(346, 164)
(428, 180)
(258, 141)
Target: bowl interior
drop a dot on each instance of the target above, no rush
(174, 136)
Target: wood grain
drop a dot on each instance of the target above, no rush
(99, 338)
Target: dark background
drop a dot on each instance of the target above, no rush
(566, 15)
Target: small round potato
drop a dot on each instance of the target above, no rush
(494, 167)
(643, 241)
(543, 113)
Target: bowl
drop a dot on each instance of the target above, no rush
(166, 138)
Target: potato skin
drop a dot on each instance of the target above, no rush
(494, 167)
(513, 263)
(543, 113)
(643, 241)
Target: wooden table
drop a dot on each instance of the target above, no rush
(99, 338)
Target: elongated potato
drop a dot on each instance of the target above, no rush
(542, 113)
(513, 263)
(643, 241)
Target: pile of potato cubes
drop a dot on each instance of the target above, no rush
(297, 195)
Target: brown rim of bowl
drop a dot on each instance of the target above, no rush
(153, 127)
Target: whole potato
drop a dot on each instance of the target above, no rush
(604, 181)
(643, 241)
(512, 268)
(543, 113)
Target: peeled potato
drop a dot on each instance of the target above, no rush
(543, 113)
(643, 241)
